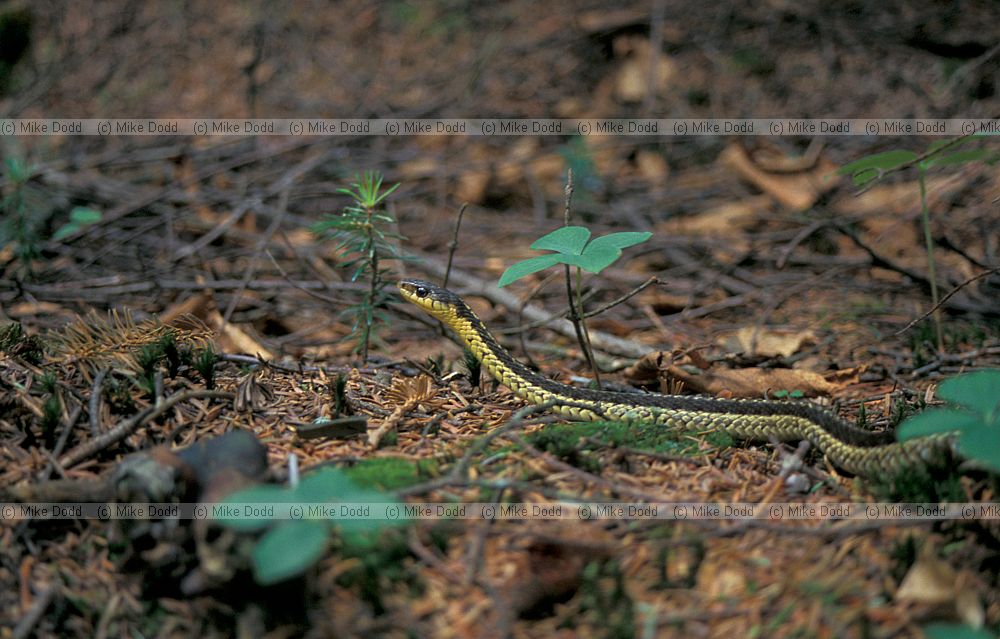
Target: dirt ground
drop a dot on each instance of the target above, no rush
(773, 275)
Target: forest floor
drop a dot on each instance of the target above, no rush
(774, 276)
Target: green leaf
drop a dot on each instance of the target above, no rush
(65, 231)
(568, 240)
(936, 420)
(83, 215)
(288, 550)
(942, 630)
(868, 168)
(79, 217)
(604, 250)
(979, 391)
(595, 261)
(960, 157)
(981, 444)
(263, 494)
(937, 144)
(333, 485)
(529, 266)
(618, 240)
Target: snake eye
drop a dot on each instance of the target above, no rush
(421, 291)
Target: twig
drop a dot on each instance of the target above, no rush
(281, 271)
(624, 298)
(629, 450)
(459, 473)
(124, 428)
(252, 266)
(428, 556)
(94, 404)
(655, 44)
(453, 245)
(63, 438)
(966, 68)
(216, 232)
(800, 237)
(946, 298)
(521, 327)
(27, 624)
(884, 262)
(614, 487)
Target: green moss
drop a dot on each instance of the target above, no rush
(578, 443)
(386, 473)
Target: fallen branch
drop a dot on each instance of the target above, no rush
(123, 429)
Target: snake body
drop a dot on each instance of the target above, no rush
(857, 451)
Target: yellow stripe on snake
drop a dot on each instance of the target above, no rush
(855, 450)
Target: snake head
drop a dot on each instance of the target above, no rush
(439, 302)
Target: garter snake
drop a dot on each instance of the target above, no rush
(855, 450)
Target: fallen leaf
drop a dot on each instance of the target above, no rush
(419, 168)
(769, 342)
(718, 578)
(652, 167)
(729, 218)
(36, 308)
(795, 191)
(632, 81)
(472, 186)
(968, 607)
(928, 581)
(752, 382)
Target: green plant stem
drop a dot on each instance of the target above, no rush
(925, 218)
(575, 317)
(583, 325)
(373, 287)
(576, 304)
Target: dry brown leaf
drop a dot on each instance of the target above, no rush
(893, 199)
(548, 169)
(717, 577)
(752, 382)
(670, 368)
(197, 305)
(654, 366)
(846, 376)
(233, 339)
(420, 167)
(632, 82)
(23, 309)
(968, 606)
(928, 581)
(510, 170)
(795, 191)
(472, 186)
(652, 167)
(611, 20)
(769, 342)
(230, 338)
(729, 218)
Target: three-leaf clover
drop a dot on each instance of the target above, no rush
(974, 413)
(572, 247)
